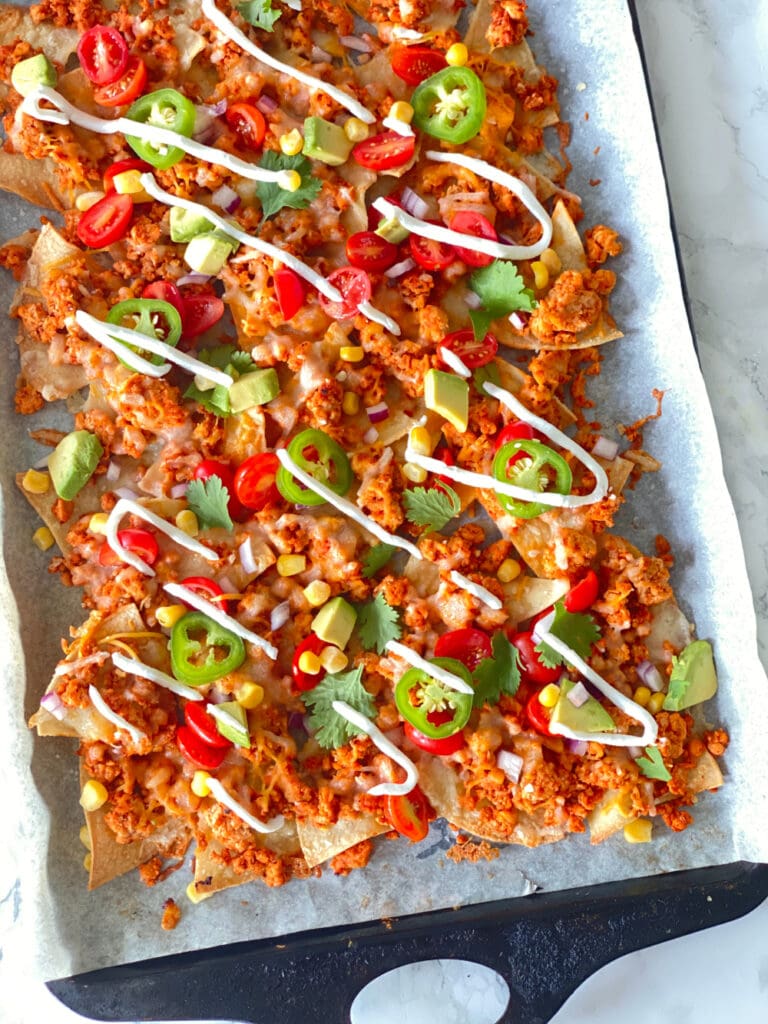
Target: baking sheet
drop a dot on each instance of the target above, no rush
(62, 929)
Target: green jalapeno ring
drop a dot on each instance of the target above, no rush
(164, 108)
(434, 697)
(530, 473)
(331, 467)
(144, 315)
(450, 105)
(194, 660)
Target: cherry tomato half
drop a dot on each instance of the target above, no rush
(443, 747)
(197, 751)
(103, 54)
(538, 716)
(290, 292)
(471, 352)
(207, 588)
(212, 467)
(355, 287)
(106, 221)
(248, 124)
(415, 63)
(127, 88)
(368, 251)
(200, 313)
(467, 222)
(167, 292)
(384, 151)
(304, 680)
(140, 542)
(444, 454)
(530, 663)
(581, 597)
(200, 722)
(120, 167)
(515, 431)
(431, 255)
(469, 646)
(409, 814)
(254, 481)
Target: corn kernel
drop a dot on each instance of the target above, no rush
(310, 663)
(43, 538)
(420, 441)
(457, 55)
(249, 695)
(641, 696)
(194, 896)
(98, 522)
(540, 274)
(332, 659)
(549, 695)
(200, 783)
(129, 184)
(508, 570)
(350, 403)
(36, 483)
(168, 615)
(87, 861)
(352, 353)
(656, 703)
(416, 474)
(85, 837)
(290, 565)
(292, 142)
(93, 795)
(289, 180)
(551, 261)
(317, 593)
(186, 520)
(401, 111)
(638, 831)
(88, 199)
(355, 129)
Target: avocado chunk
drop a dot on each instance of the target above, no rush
(187, 224)
(591, 716)
(31, 73)
(255, 388)
(693, 679)
(207, 253)
(392, 230)
(326, 142)
(73, 461)
(334, 622)
(448, 394)
(232, 722)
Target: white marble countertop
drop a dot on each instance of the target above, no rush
(707, 61)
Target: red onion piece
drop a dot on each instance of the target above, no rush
(126, 492)
(193, 279)
(247, 561)
(371, 435)
(178, 490)
(400, 268)
(279, 615)
(473, 301)
(518, 321)
(355, 43)
(604, 448)
(413, 203)
(511, 764)
(578, 695)
(266, 104)
(205, 120)
(319, 54)
(635, 752)
(226, 199)
(578, 747)
(378, 412)
(227, 586)
(113, 471)
(53, 704)
(650, 676)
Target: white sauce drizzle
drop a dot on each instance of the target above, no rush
(386, 747)
(222, 796)
(133, 359)
(346, 506)
(66, 113)
(478, 591)
(454, 362)
(369, 310)
(434, 671)
(198, 602)
(126, 506)
(135, 667)
(295, 5)
(225, 718)
(396, 125)
(225, 26)
(112, 716)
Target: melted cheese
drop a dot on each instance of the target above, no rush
(126, 506)
(135, 667)
(386, 747)
(112, 716)
(220, 794)
(433, 671)
(213, 611)
(481, 593)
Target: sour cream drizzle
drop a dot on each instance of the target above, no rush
(346, 506)
(396, 125)
(135, 667)
(225, 26)
(454, 362)
(434, 671)
(222, 796)
(376, 315)
(386, 747)
(126, 506)
(112, 716)
(478, 591)
(200, 604)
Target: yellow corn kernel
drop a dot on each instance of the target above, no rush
(35, 482)
(186, 520)
(350, 403)
(352, 353)
(85, 838)
(549, 695)
(43, 538)
(401, 111)
(332, 659)
(249, 695)
(638, 831)
(168, 615)
(551, 261)
(292, 142)
(641, 696)
(290, 565)
(355, 129)
(200, 783)
(194, 896)
(656, 703)
(88, 199)
(289, 180)
(416, 474)
(93, 795)
(540, 274)
(98, 522)
(310, 663)
(457, 55)
(508, 570)
(317, 593)
(420, 441)
(129, 184)
(87, 861)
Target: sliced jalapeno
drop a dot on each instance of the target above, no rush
(530, 464)
(431, 707)
(164, 108)
(320, 456)
(450, 105)
(153, 317)
(203, 651)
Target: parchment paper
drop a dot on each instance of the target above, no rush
(62, 929)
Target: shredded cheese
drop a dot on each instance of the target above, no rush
(112, 716)
(476, 590)
(126, 506)
(443, 676)
(219, 793)
(136, 667)
(386, 747)
(213, 611)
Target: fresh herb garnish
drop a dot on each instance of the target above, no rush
(260, 14)
(501, 290)
(490, 373)
(498, 674)
(231, 360)
(274, 198)
(376, 558)
(652, 766)
(208, 500)
(330, 728)
(378, 623)
(578, 631)
(431, 507)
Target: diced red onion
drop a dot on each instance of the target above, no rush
(319, 54)
(247, 561)
(113, 471)
(296, 724)
(355, 43)
(179, 490)
(511, 764)
(216, 696)
(341, 376)
(578, 695)
(473, 301)
(266, 104)
(193, 279)
(400, 268)
(279, 615)
(378, 412)
(578, 747)
(205, 120)
(518, 321)
(226, 199)
(371, 435)
(413, 203)
(126, 492)
(604, 448)
(53, 704)
(635, 752)
(650, 676)
(227, 586)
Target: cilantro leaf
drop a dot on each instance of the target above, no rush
(332, 730)
(489, 372)
(376, 558)
(208, 500)
(501, 289)
(377, 624)
(259, 13)
(498, 674)
(578, 631)
(652, 766)
(431, 507)
(481, 322)
(274, 198)
(224, 357)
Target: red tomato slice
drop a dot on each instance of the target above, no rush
(200, 313)
(415, 63)
(384, 151)
(106, 222)
(431, 255)
(471, 352)
(444, 454)
(199, 753)
(355, 287)
(120, 167)
(140, 542)
(441, 748)
(290, 292)
(581, 597)
(254, 481)
(519, 430)
(470, 223)
(469, 646)
(127, 88)
(538, 716)
(303, 680)
(167, 291)
(207, 588)
(103, 54)
(248, 124)
(368, 251)
(200, 722)
(409, 814)
(530, 664)
(212, 467)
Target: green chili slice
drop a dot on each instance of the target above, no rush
(431, 707)
(450, 105)
(203, 651)
(533, 471)
(320, 456)
(165, 108)
(153, 317)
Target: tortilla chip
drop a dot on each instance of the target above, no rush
(213, 875)
(476, 42)
(528, 595)
(87, 501)
(319, 844)
(566, 240)
(669, 626)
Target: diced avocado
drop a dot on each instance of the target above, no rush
(207, 253)
(186, 224)
(255, 388)
(693, 679)
(334, 622)
(448, 394)
(73, 461)
(31, 73)
(392, 230)
(232, 723)
(326, 142)
(591, 716)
